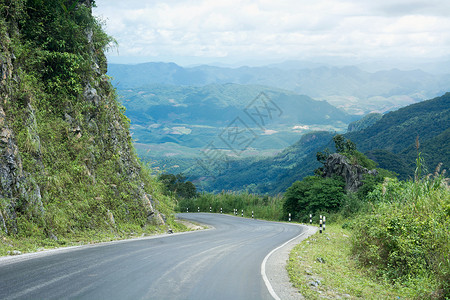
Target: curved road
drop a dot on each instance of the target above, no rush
(221, 263)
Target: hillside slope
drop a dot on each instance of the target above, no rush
(193, 116)
(274, 174)
(391, 140)
(67, 164)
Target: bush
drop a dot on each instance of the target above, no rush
(314, 194)
(263, 207)
(405, 237)
(177, 185)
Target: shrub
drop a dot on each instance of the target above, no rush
(264, 207)
(314, 194)
(405, 237)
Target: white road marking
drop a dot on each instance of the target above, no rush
(263, 266)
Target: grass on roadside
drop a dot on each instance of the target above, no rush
(13, 245)
(321, 267)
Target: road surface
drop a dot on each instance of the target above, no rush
(221, 263)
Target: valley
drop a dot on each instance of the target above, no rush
(189, 120)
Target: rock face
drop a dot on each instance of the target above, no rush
(15, 184)
(338, 164)
(66, 158)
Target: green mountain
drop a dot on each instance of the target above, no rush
(67, 164)
(364, 122)
(348, 88)
(200, 105)
(272, 174)
(390, 141)
(194, 117)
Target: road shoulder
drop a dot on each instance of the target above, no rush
(275, 267)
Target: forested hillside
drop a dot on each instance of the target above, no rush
(273, 174)
(363, 123)
(67, 164)
(392, 140)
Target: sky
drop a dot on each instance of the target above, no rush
(257, 32)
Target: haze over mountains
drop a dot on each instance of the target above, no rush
(180, 114)
(349, 88)
(193, 115)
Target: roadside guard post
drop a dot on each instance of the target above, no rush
(320, 224)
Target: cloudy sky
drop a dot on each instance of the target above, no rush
(256, 31)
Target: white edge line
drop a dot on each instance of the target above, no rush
(263, 265)
(6, 260)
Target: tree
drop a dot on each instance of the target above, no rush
(344, 146)
(347, 148)
(178, 185)
(314, 194)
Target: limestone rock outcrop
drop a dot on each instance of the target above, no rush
(338, 164)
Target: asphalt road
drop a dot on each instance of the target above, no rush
(220, 263)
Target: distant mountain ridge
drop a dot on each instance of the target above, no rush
(347, 87)
(183, 99)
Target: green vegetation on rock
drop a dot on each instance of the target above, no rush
(399, 230)
(68, 168)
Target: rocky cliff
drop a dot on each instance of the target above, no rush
(338, 164)
(67, 163)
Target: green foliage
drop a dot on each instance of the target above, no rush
(358, 158)
(314, 194)
(391, 140)
(405, 237)
(371, 182)
(56, 26)
(367, 121)
(178, 185)
(340, 277)
(63, 71)
(343, 145)
(346, 147)
(274, 174)
(391, 161)
(322, 156)
(76, 149)
(61, 41)
(263, 207)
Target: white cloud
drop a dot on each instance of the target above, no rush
(284, 29)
